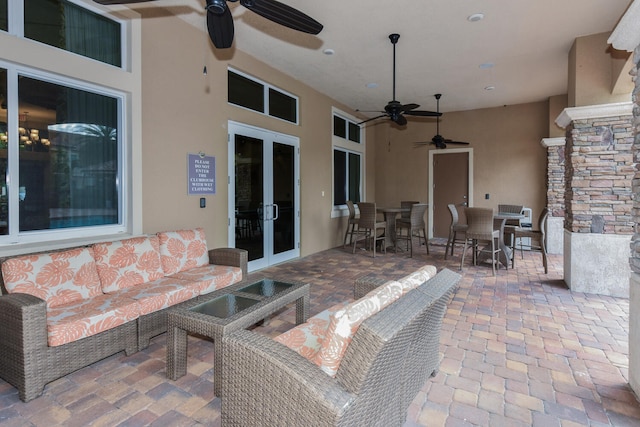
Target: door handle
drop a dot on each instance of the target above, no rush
(277, 211)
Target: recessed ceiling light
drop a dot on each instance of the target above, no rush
(372, 85)
(475, 17)
(486, 65)
(328, 51)
(489, 87)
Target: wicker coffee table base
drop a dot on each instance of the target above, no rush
(182, 321)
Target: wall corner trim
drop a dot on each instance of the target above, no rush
(626, 35)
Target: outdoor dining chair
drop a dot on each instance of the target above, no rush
(480, 229)
(352, 223)
(368, 227)
(538, 238)
(414, 224)
(455, 228)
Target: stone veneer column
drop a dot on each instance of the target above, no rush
(555, 193)
(599, 170)
(626, 36)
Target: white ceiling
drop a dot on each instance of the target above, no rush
(439, 50)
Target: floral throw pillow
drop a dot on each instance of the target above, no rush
(57, 277)
(182, 250)
(344, 324)
(417, 278)
(129, 262)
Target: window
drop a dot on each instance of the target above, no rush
(346, 129)
(4, 15)
(348, 160)
(346, 177)
(67, 170)
(65, 153)
(248, 92)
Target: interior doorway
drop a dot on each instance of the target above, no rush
(264, 194)
(450, 181)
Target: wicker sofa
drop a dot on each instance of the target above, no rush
(63, 310)
(389, 357)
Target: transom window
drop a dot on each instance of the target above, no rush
(249, 92)
(348, 160)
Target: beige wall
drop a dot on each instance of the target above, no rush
(187, 112)
(595, 69)
(557, 104)
(509, 161)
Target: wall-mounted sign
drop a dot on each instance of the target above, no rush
(202, 174)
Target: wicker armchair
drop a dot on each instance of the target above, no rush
(391, 356)
(413, 224)
(481, 229)
(454, 229)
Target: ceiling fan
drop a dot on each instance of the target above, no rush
(394, 109)
(220, 20)
(438, 140)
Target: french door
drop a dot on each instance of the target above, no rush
(264, 194)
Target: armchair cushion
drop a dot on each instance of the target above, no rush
(129, 262)
(344, 324)
(58, 278)
(182, 250)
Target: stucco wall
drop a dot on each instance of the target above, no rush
(185, 111)
(509, 162)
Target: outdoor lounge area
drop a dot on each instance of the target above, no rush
(517, 349)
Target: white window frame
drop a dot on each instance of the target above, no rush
(342, 144)
(265, 96)
(26, 57)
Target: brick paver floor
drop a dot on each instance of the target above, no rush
(518, 349)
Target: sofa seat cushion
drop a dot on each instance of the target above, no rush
(417, 278)
(183, 250)
(59, 278)
(211, 277)
(81, 319)
(344, 323)
(160, 294)
(306, 338)
(128, 262)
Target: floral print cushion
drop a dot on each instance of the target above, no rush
(160, 294)
(417, 278)
(182, 250)
(58, 278)
(81, 319)
(211, 277)
(344, 324)
(129, 262)
(306, 338)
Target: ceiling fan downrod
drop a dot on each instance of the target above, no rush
(394, 39)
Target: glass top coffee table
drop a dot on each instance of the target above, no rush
(226, 310)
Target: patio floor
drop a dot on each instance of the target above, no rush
(518, 349)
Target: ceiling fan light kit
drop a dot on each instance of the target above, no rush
(438, 140)
(394, 109)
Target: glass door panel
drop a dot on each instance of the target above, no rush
(264, 195)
